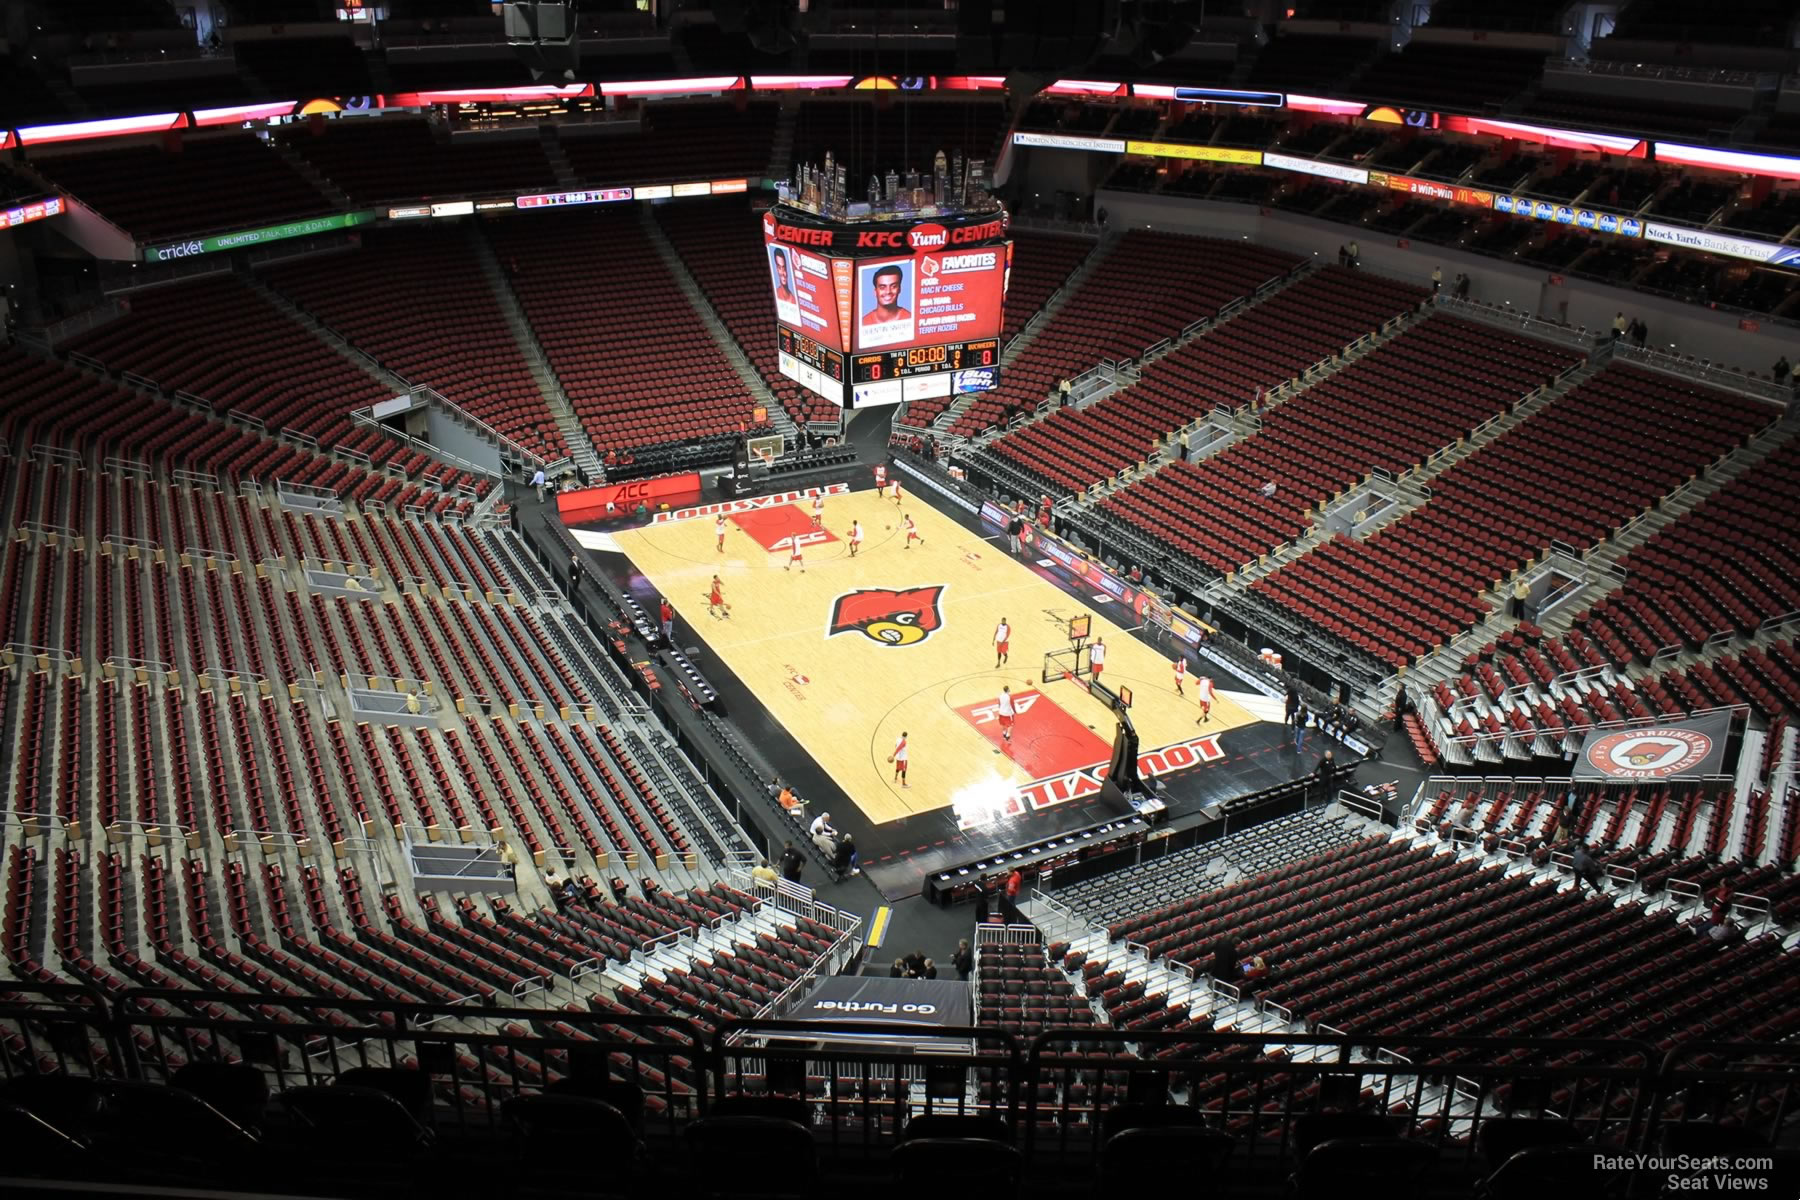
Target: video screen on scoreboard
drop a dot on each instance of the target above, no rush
(931, 298)
(804, 296)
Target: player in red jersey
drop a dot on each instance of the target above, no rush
(856, 536)
(715, 600)
(1002, 641)
(912, 530)
(719, 532)
(898, 758)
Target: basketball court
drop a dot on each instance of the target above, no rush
(848, 653)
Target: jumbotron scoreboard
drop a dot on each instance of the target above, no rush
(884, 302)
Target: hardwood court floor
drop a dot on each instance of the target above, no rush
(912, 650)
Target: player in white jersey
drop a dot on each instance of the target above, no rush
(855, 537)
(819, 511)
(896, 491)
(898, 758)
(719, 532)
(1097, 658)
(1180, 675)
(794, 556)
(912, 530)
(1007, 713)
(1203, 692)
(1002, 641)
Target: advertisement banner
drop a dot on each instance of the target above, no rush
(558, 199)
(1672, 750)
(589, 504)
(1563, 214)
(928, 1003)
(1432, 189)
(1223, 154)
(1064, 141)
(1324, 170)
(34, 210)
(1720, 243)
(256, 237)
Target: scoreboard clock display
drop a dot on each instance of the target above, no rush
(924, 360)
(828, 363)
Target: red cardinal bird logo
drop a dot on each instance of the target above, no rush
(893, 618)
(1647, 752)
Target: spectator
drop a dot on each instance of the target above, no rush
(1301, 719)
(1618, 326)
(1521, 593)
(821, 826)
(666, 612)
(1292, 704)
(1643, 334)
(1355, 252)
(1437, 280)
(915, 964)
(844, 862)
(898, 970)
(1462, 287)
(574, 573)
(763, 873)
(1781, 369)
(1585, 868)
(963, 960)
(1254, 967)
(1062, 393)
(1268, 490)
(1015, 526)
(983, 906)
(792, 862)
(537, 481)
(929, 970)
(1343, 255)
(1224, 959)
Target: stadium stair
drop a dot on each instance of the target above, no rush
(553, 151)
(734, 354)
(335, 195)
(581, 447)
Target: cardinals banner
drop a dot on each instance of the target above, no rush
(1671, 750)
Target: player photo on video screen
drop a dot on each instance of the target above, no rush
(781, 277)
(884, 298)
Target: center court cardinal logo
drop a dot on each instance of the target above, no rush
(893, 618)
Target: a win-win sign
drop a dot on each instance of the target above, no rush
(255, 237)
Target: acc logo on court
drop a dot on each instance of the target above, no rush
(893, 618)
(1649, 753)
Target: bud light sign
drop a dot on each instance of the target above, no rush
(980, 379)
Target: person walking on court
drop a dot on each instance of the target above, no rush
(898, 758)
(1002, 641)
(1097, 658)
(912, 530)
(1180, 673)
(818, 510)
(856, 537)
(1203, 693)
(715, 600)
(1007, 712)
(896, 491)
